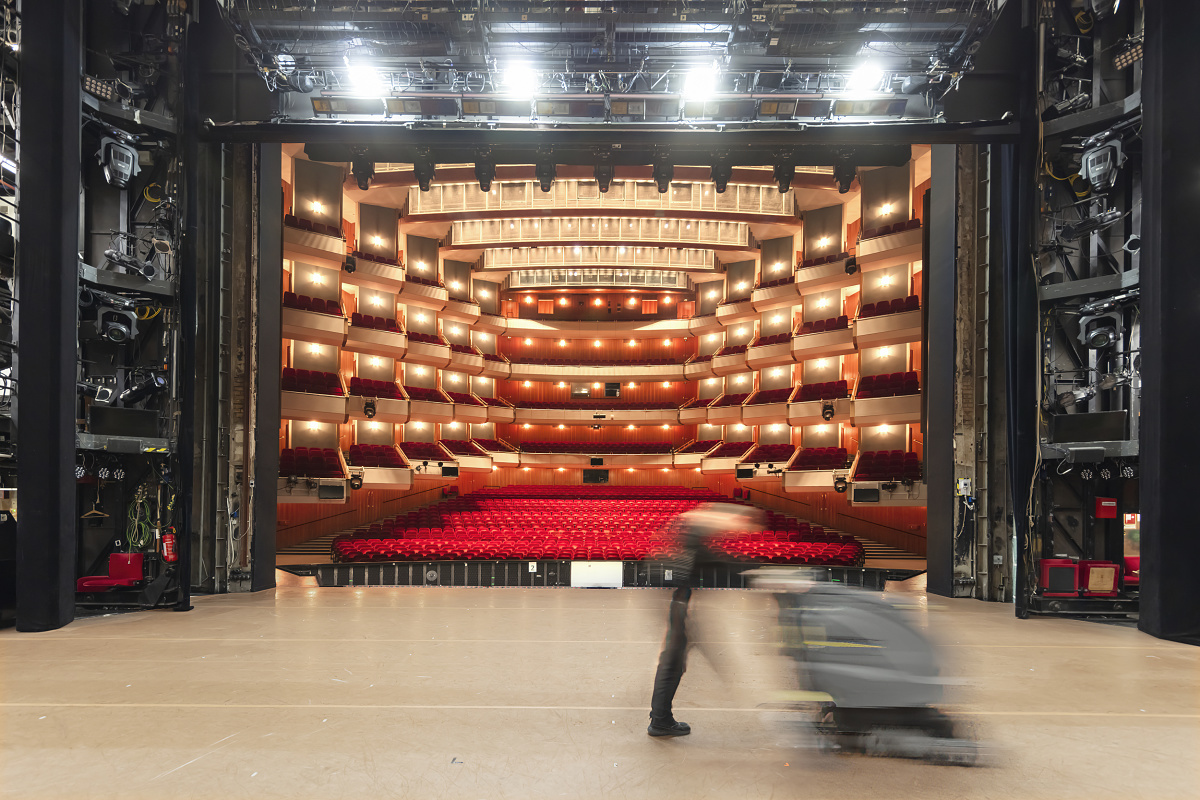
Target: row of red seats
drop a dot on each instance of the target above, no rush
(464, 398)
(423, 451)
(292, 221)
(464, 348)
(310, 462)
(495, 401)
(732, 349)
(700, 446)
(770, 454)
(820, 458)
(778, 338)
(829, 259)
(770, 396)
(461, 447)
(701, 359)
(836, 555)
(395, 262)
(616, 448)
(910, 303)
(493, 357)
(890, 385)
(303, 380)
(306, 303)
(375, 455)
(902, 225)
(888, 465)
(727, 400)
(778, 282)
(377, 323)
(822, 325)
(829, 390)
(366, 387)
(731, 449)
(426, 394)
(411, 278)
(595, 362)
(493, 445)
(427, 338)
(594, 405)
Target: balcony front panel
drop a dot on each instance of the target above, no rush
(615, 416)
(536, 329)
(428, 411)
(809, 481)
(639, 232)
(501, 414)
(888, 329)
(901, 495)
(887, 410)
(419, 294)
(490, 323)
(698, 326)
(309, 490)
(765, 414)
(784, 296)
(469, 363)
(760, 476)
(552, 372)
(693, 416)
(890, 250)
(470, 414)
(433, 355)
(699, 370)
(644, 461)
(387, 478)
(719, 466)
(499, 370)
(505, 459)
(741, 311)
(474, 463)
(823, 277)
(823, 345)
(771, 355)
(373, 275)
(730, 364)
(311, 326)
(460, 311)
(724, 415)
(809, 412)
(567, 460)
(386, 409)
(372, 342)
(329, 251)
(581, 257)
(689, 460)
(312, 407)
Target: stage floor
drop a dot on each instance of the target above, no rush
(306, 693)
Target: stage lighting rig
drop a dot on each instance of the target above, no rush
(148, 386)
(783, 175)
(362, 168)
(369, 409)
(424, 168)
(116, 315)
(1089, 225)
(545, 170)
(844, 174)
(840, 485)
(485, 170)
(118, 160)
(827, 411)
(663, 172)
(722, 171)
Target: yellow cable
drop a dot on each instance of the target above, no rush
(146, 194)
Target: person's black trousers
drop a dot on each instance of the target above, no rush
(672, 662)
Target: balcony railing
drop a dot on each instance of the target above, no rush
(577, 258)
(527, 196)
(591, 229)
(656, 278)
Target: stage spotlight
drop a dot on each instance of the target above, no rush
(485, 170)
(1087, 473)
(350, 264)
(827, 411)
(604, 176)
(369, 409)
(1101, 337)
(722, 172)
(844, 175)
(1129, 52)
(664, 173)
(840, 485)
(362, 168)
(80, 472)
(424, 169)
(140, 390)
(545, 170)
(1102, 9)
(356, 482)
(784, 173)
(1128, 471)
(1106, 473)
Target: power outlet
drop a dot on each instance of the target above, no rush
(962, 487)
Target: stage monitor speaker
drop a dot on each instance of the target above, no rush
(866, 495)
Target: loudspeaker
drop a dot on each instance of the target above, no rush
(865, 495)
(612, 390)
(597, 462)
(449, 472)
(745, 472)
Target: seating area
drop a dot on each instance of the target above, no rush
(422, 281)
(829, 259)
(892, 385)
(594, 405)
(701, 359)
(778, 338)
(292, 221)
(823, 325)
(365, 387)
(777, 454)
(377, 323)
(306, 303)
(883, 307)
(493, 445)
(493, 357)
(426, 394)
(778, 282)
(902, 225)
(374, 455)
(595, 362)
(464, 398)
(888, 465)
(310, 462)
(579, 523)
(702, 446)
(732, 349)
(464, 348)
(427, 338)
(303, 380)
(820, 458)
(761, 398)
(395, 262)
(727, 400)
(423, 451)
(125, 570)
(829, 390)
(495, 402)
(462, 447)
(731, 449)
(613, 448)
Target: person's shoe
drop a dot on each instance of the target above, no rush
(668, 727)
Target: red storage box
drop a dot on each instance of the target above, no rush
(1059, 577)
(1099, 578)
(1106, 508)
(1133, 570)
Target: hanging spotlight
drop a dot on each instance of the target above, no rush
(369, 409)
(1087, 473)
(844, 175)
(356, 481)
(118, 473)
(1127, 471)
(840, 485)
(1101, 336)
(784, 173)
(80, 472)
(424, 169)
(545, 170)
(827, 411)
(485, 169)
(1129, 52)
(604, 175)
(1106, 473)
(362, 168)
(722, 171)
(664, 173)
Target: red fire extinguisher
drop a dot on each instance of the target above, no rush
(168, 547)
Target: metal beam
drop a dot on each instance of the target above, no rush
(48, 308)
(268, 363)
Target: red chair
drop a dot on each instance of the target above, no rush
(124, 570)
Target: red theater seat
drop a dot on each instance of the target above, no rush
(310, 462)
(303, 380)
(124, 570)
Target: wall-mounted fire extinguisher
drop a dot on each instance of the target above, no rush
(169, 553)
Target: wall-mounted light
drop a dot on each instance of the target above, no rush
(420, 370)
(562, 385)
(315, 349)
(822, 428)
(419, 264)
(885, 428)
(778, 266)
(823, 241)
(712, 380)
(632, 386)
(376, 300)
(317, 278)
(562, 342)
(596, 385)
(629, 469)
(419, 317)
(630, 427)
(666, 342)
(885, 280)
(373, 426)
(666, 427)
(377, 241)
(562, 469)
(632, 301)
(667, 300)
(740, 379)
(481, 336)
(455, 285)
(456, 331)
(886, 208)
(775, 428)
(526, 469)
(528, 300)
(884, 352)
(418, 425)
(484, 293)
(597, 302)
(527, 384)
(712, 337)
(317, 207)
(632, 342)
(712, 294)
(376, 361)
(823, 302)
(453, 378)
(314, 426)
(562, 301)
(526, 426)
(777, 319)
(666, 384)
(621, 250)
(453, 426)
(775, 373)
(529, 341)
(740, 332)
(739, 427)
(740, 285)
(578, 250)
(562, 427)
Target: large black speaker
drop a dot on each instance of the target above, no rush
(597, 461)
(745, 472)
(612, 390)
(866, 495)
(449, 472)
(595, 476)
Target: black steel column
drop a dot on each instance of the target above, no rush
(1170, 437)
(47, 311)
(269, 363)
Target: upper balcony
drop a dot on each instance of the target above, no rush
(578, 257)
(624, 198)
(890, 246)
(641, 232)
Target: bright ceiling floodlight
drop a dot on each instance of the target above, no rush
(701, 83)
(866, 78)
(519, 80)
(367, 82)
